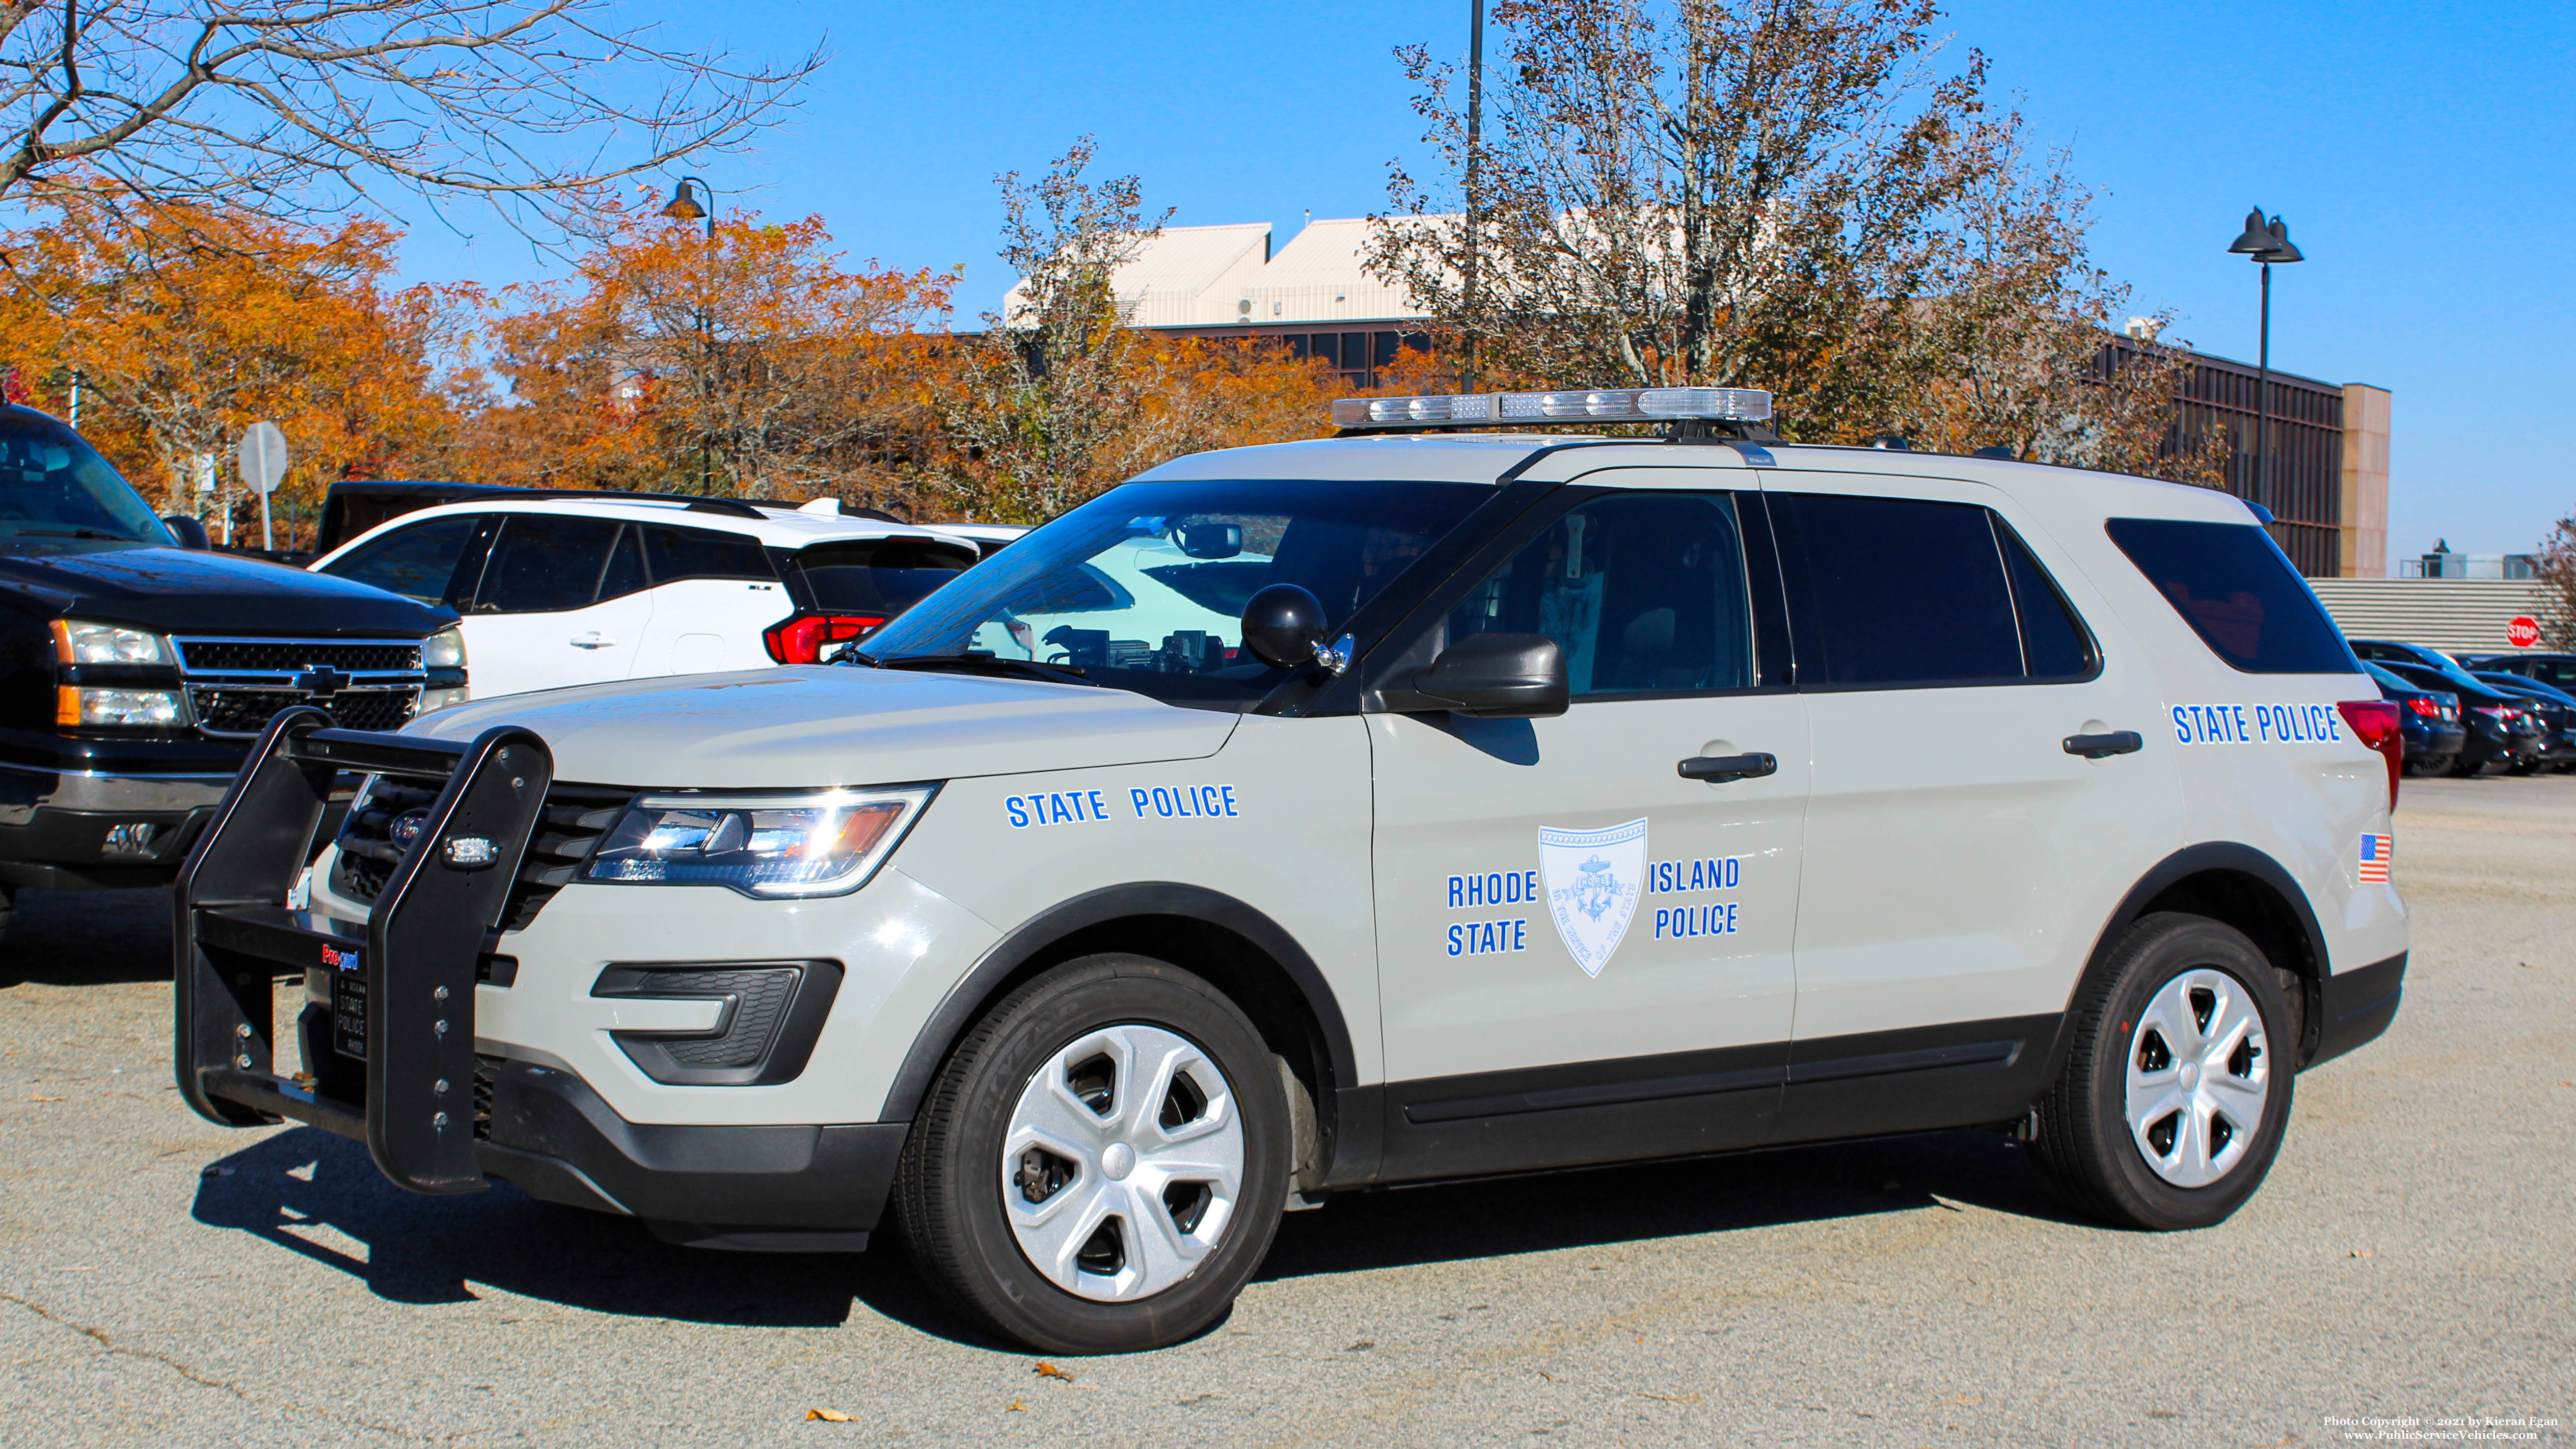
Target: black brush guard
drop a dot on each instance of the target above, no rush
(416, 957)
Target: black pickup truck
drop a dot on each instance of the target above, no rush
(136, 671)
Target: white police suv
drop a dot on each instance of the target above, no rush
(1414, 804)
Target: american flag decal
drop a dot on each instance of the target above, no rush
(2375, 851)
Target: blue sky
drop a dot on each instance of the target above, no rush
(2422, 155)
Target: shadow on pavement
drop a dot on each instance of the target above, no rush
(87, 938)
(320, 1197)
(1638, 1202)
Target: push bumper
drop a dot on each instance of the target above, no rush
(2355, 1006)
(436, 1117)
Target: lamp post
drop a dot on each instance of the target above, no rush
(2265, 241)
(1475, 143)
(684, 206)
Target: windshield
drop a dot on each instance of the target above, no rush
(53, 485)
(1143, 587)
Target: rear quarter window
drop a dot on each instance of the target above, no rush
(2231, 584)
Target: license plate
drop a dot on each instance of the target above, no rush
(348, 1000)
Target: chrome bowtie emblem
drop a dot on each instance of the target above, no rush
(321, 679)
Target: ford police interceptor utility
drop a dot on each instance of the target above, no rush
(1409, 805)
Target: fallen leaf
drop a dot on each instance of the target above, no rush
(2362, 1253)
(2527, 966)
(1672, 1398)
(1964, 1399)
(1047, 1370)
(1016, 1408)
(1542, 1373)
(828, 1416)
(39, 1097)
(1362, 1344)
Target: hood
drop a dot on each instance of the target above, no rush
(182, 590)
(828, 725)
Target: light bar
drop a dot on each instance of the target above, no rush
(1609, 405)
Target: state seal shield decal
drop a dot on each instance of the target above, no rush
(1593, 879)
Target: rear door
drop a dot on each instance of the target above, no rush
(561, 601)
(713, 594)
(1962, 857)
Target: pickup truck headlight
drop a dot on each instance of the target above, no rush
(819, 843)
(77, 642)
(444, 649)
(148, 708)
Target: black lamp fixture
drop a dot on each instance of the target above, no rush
(2265, 241)
(684, 205)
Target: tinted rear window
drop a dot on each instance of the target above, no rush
(1895, 591)
(875, 576)
(2231, 584)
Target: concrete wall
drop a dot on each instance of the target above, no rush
(2364, 501)
(2455, 615)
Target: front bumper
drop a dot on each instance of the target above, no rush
(79, 830)
(392, 1053)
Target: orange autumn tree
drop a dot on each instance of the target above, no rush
(183, 326)
(757, 363)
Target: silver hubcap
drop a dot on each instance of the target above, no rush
(2200, 1071)
(1123, 1162)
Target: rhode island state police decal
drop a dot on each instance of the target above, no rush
(1593, 879)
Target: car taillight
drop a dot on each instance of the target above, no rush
(2423, 705)
(2374, 723)
(801, 638)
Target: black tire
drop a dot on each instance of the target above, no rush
(2423, 765)
(948, 1196)
(2084, 1140)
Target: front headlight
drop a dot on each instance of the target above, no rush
(444, 649)
(76, 642)
(144, 708)
(817, 843)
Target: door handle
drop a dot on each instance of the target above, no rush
(1717, 769)
(2097, 747)
(593, 640)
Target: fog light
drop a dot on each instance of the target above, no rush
(150, 708)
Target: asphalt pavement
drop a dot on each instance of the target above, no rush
(167, 1282)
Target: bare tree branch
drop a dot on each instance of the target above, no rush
(296, 110)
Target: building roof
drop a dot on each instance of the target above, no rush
(1219, 276)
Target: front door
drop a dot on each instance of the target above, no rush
(1584, 955)
(562, 601)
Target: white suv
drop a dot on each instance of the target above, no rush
(1373, 810)
(581, 588)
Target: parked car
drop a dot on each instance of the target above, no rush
(136, 666)
(1493, 834)
(582, 588)
(2502, 730)
(2429, 718)
(2556, 670)
(2557, 711)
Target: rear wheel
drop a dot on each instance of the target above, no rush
(1101, 1165)
(2430, 764)
(2173, 1102)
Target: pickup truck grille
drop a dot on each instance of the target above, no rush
(222, 710)
(238, 685)
(576, 816)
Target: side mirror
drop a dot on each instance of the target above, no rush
(190, 533)
(1211, 540)
(1487, 676)
(1283, 626)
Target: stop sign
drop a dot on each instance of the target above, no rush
(2523, 632)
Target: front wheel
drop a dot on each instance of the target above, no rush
(2173, 1102)
(1101, 1165)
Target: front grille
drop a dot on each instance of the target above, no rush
(223, 710)
(575, 817)
(293, 656)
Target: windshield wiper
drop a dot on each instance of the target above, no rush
(72, 533)
(980, 659)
